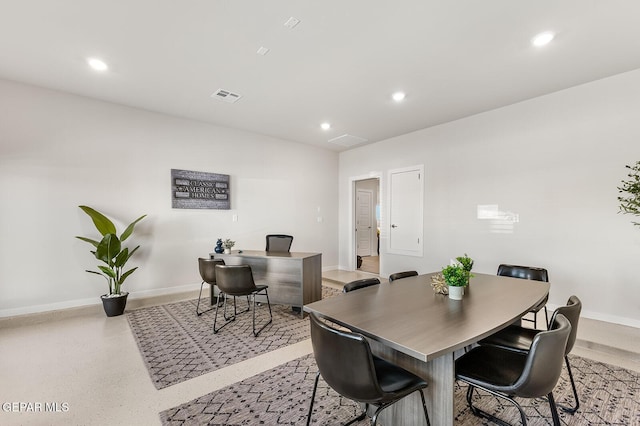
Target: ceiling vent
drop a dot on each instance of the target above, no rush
(226, 96)
(348, 140)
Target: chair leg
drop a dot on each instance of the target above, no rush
(198, 305)
(546, 317)
(479, 413)
(571, 410)
(554, 410)
(254, 314)
(224, 314)
(313, 395)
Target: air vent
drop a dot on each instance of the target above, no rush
(348, 140)
(226, 96)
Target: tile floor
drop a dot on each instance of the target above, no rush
(89, 365)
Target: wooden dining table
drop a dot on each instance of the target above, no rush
(406, 322)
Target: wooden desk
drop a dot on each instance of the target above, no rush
(408, 323)
(293, 278)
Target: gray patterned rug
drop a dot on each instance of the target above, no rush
(608, 396)
(178, 345)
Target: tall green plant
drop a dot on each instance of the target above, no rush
(109, 249)
(630, 201)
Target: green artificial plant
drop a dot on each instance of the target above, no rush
(630, 200)
(110, 250)
(455, 275)
(467, 264)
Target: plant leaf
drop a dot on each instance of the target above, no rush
(89, 240)
(126, 274)
(110, 272)
(102, 223)
(127, 232)
(108, 248)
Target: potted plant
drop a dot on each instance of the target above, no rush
(110, 251)
(630, 200)
(228, 245)
(456, 278)
(467, 265)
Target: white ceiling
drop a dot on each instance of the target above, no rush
(340, 64)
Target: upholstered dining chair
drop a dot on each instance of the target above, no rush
(358, 284)
(237, 280)
(529, 273)
(279, 243)
(208, 274)
(347, 365)
(401, 275)
(507, 374)
(520, 339)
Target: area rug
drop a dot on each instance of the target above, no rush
(178, 345)
(280, 396)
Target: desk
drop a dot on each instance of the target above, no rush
(408, 323)
(293, 278)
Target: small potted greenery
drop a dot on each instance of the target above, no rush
(228, 245)
(630, 190)
(467, 265)
(456, 278)
(110, 251)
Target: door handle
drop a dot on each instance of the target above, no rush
(394, 226)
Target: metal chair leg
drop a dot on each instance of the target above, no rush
(254, 314)
(215, 318)
(479, 413)
(554, 410)
(313, 395)
(571, 410)
(198, 305)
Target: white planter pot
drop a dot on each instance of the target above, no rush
(456, 293)
(227, 251)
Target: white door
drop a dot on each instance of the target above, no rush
(364, 222)
(406, 211)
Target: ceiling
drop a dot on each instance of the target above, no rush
(340, 64)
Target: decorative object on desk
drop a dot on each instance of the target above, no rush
(456, 278)
(631, 203)
(439, 285)
(110, 251)
(228, 245)
(218, 248)
(467, 264)
(199, 190)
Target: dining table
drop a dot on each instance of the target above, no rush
(411, 325)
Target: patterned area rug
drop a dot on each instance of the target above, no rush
(178, 345)
(608, 396)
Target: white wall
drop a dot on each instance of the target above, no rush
(556, 161)
(58, 151)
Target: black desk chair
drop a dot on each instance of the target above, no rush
(237, 280)
(529, 273)
(208, 274)
(346, 363)
(279, 243)
(401, 275)
(357, 284)
(520, 339)
(507, 374)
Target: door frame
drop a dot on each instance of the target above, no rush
(352, 241)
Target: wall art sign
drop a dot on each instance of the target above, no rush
(199, 190)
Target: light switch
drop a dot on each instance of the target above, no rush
(234, 218)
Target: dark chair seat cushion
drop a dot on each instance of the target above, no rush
(489, 364)
(393, 378)
(513, 337)
(257, 289)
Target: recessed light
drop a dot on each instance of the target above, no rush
(542, 39)
(97, 64)
(398, 96)
(262, 51)
(325, 126)
(291, 23)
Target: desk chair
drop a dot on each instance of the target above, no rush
(520, 339)
(507, 374)
(279, 243)
(529, 273)
(237, 280)
(358, 284)
(346, 363)
(401, 275)
(208, 274)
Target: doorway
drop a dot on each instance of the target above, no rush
(367, 225)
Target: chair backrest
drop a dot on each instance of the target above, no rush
(208, 269)
(345, 362)
(357, 284)
(572, 312)
(544, 361)
(235, 280)
(525, 272)
(279, 242)
(400, 275)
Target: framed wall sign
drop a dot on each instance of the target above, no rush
(199, 190)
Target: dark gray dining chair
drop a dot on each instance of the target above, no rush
(237, 280)
(358, 284)
(208, 275)
(520, 339)
(529, 273)
(508, 374)
(279, 243)
(401, 275)
(347, 365)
